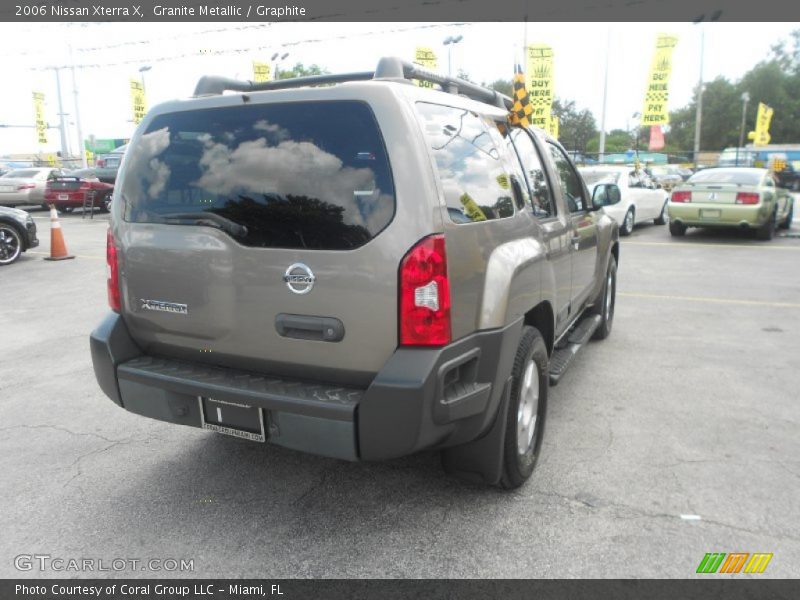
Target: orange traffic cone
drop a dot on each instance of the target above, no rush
(58, 249)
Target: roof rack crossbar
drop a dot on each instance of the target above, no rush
(389, 68)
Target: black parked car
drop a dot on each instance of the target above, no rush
(17, 234)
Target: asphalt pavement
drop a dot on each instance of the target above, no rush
(677, 436)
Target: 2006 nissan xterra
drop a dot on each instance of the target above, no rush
(353, 266)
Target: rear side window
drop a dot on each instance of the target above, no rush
(310, 175)
(542, 200)
(475, 182)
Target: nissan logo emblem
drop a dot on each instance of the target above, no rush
(299, 278)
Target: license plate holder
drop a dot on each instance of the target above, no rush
(63, 196)
(710, 213)
(232, 418)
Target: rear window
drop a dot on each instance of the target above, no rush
(311, 175)
(736, 176)
(26, 174)
(592, 176)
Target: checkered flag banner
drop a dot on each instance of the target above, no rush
(521, 111)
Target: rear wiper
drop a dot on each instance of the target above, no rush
(210, 219)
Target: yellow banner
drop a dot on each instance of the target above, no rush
(554, 126)
(425, 58)
(261, 71)
(539, 83)
(655, 99)
(38, 111)
(137, 101)
(761, 135)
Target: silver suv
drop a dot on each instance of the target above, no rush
(353, 266)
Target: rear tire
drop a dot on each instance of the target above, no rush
(662, 218)
(10, 244)
(787, 222)
(767, 230)
(526, 409)
(677, 229)
(628, 222)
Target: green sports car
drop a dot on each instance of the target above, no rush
(730, 197)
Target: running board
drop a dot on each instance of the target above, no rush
(562, 357)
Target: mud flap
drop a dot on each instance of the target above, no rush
(481, 461)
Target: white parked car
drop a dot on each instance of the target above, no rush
(642, 199)
(26, 186)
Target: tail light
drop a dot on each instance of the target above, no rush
(425, 294)
(113, 274)
(85, 185)
(681, 196)
(747, 198)
(26, 186)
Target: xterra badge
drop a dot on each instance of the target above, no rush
(161, 306)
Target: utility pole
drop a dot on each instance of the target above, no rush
(81, 149)
(61, 114)
(698, 119)
(602, 148)
(745, 100)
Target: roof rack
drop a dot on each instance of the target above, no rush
(389, 69)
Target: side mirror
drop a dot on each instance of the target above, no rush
(605, 194)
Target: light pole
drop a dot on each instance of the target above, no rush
(745, 100)
(450, 41)
(602, 147)
(278, 58)
(698, 118)
(142, 71)
(636, 122)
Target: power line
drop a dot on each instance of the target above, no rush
(249, 49)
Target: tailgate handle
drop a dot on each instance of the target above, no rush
(305, 327)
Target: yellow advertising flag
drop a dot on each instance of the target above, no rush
(38, 111)
(655, 110)
(539, 83)
(261, 71)
(554, 126)
(425, 58)
(137, 100)
(761, 135)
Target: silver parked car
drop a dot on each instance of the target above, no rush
(26, 186)
(355, 267)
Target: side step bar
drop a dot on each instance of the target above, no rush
(562, 357)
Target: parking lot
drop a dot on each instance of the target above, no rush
(677, 436)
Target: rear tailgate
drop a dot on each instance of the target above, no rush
(252, 238)
(723, 193)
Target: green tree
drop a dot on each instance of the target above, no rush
(576, 127)
(300, 70)
(617, 140)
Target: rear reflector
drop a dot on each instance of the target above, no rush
(681, 197)
(113, 274)
(425, 294)
(747, 198)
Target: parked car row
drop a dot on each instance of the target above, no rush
(43, 186)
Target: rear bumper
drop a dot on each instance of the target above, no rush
(422, 398)
(730, 215)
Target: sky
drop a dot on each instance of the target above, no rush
(108, 55)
